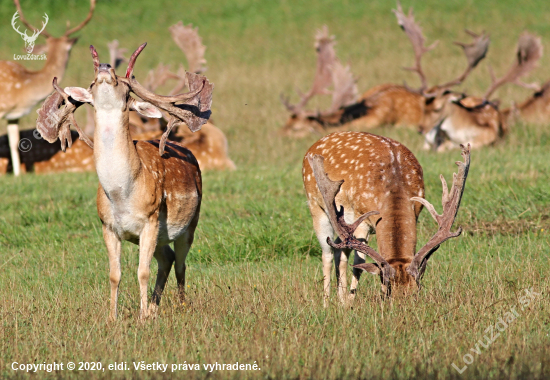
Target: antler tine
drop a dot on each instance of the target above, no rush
(528, 54)
(86, 20)
(475, 52)
(188, 40)
(132, 61)
(345, 88)
(414, 33)
(329, 189)
(95, 58)
(451, 204)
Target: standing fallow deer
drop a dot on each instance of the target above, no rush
(376, 184)
(149, 192)
(21, 89)
(477, 120)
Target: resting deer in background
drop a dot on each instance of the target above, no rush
(533, 110)
(477, 120)
(149, 191)
(386, 104)
(377, 184)
(22, 89)
(330, 71)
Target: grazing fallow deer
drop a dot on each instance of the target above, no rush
(22, 89)
(376, 184)
(149, 191)
(477, 120)
(533, 110)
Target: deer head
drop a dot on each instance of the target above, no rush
(111, 92)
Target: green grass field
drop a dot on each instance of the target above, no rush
(255, 279)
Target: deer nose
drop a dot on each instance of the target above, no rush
(104, 67)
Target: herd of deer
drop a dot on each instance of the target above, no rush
(446, 118)
(22, 89)
(356, 183)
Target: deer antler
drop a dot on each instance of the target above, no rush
(27, 24)
(86, 20)
(528, 54)
(345, 88)
(157, 77)
(451, 204)
(189, 41)
(116, 54)
(56, 116)
(191, 108)
(326, 58)
(474, 52)
(417, 39)
(345, 231)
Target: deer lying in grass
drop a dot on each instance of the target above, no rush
(386, 104)
(477, 120)
(376, 184)
(533, 110)
(149, 191)
(22, 89)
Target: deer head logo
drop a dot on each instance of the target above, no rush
(29, 40)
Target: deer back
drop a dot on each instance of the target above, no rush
(379, 174)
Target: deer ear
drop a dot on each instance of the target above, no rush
(368, 267)
(146, 109)
(79, 94)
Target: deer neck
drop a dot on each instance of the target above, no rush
(396, 231)
(116, 159)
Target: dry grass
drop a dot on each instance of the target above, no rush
(255, 272)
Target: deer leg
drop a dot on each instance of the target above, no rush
(323, 229)
(341, 258)
(113, 250)
(362, 234)
(147, 246)
(181, 248)
(13, 138)
(165, 258)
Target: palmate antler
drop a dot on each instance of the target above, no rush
(326, 58)
(475, 52)
(191, 108)
(414, 33)
(345, 231)
(528, 54)
(451, 203)
(188, 40)
(56, 116)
